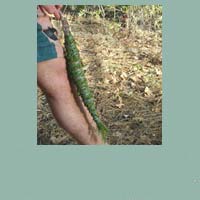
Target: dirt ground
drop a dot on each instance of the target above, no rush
(124, 71)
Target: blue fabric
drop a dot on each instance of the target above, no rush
(45, 49)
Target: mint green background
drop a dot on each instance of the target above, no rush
(169, 171)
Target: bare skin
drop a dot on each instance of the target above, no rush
(67, 108)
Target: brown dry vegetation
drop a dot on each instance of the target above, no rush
(124, 70)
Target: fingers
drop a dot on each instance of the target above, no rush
(56, 14)
(51, 9)
(59, 7)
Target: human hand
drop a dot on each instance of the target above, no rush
(51, 9)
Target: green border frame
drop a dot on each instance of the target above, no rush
(168, 171)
